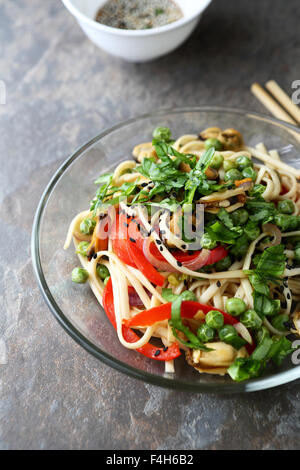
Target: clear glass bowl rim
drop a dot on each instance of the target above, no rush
(163, 381)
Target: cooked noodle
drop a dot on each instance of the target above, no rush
(211, 287)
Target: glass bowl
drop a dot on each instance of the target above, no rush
(70, 191)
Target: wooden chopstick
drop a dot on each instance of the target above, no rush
(274, 107)
(271, 104)
(283, 99)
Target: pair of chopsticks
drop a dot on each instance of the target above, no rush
(288, 111)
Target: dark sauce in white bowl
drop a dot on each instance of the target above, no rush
(138, 14)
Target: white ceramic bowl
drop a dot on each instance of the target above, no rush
(137, 45)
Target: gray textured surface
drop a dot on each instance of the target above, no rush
(61, 91)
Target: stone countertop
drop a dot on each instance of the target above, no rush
(62, 91)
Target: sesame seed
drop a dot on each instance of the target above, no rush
(132, 240)
(157, 353)
(219, 284)
(288, 296)
(183, 246)
(179, 264)
(126, 225)
(95, 256)
(158, 242)
(144, 185)
(161, 248)
(165, 348)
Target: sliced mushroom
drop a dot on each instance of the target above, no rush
(210, 133)
(184, 167)
(145, 150)
(211, 173)
(242, 198)
(231, 139)
(216, 361)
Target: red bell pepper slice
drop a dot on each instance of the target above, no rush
(131, 227)
(144, 265)
(120, 244)
(120, 247)
(152, 352)
(217, 254)
(189, 309)
(128, 251)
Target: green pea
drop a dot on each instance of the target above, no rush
(282, 221)
(229, 165)
(297, 255)
(243, 162)
(162, 133)
(249, 172)
(251, 319)
(205, 333)
(102, 271)
(106, 280)
(232, 175)
(252, 230)
(240, 217)
(79, 275)
(287, 222)
(286, 206)
(229, 335)
(207, 243)
(214, 319)
(217, 161)
(209, 143)
(82, 248)
(279, 321)
(87, 226)
(188, 295)
(235, 306)
(223, 264)
(294, 222)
